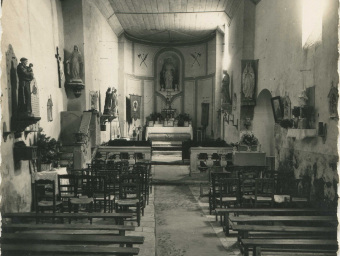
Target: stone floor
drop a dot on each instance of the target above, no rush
(148, 229)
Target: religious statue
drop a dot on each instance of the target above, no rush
(248, 81)
(333, 96)
(225, 88)
(169, 76)
(25, 75)
(49, 109)
(111, 102)
(114, 104)
(108, 101)
(74, 65)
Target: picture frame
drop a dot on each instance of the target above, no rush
(277, 107)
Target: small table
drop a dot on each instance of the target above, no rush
(50, 175)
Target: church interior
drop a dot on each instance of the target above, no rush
(169, 127)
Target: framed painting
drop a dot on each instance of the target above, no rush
(277, 109)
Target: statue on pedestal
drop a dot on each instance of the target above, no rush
(74, 66)
(25, 75)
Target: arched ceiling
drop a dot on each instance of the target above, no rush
(168, 21)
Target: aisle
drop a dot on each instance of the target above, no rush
(181, 227)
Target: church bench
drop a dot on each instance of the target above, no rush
(51, 249)
(118, 217)
(224, 213)
(281, 231)
(288, 219)
(68, 228)
(292, 245)
(69, 239)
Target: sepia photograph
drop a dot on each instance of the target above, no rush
(169, 127)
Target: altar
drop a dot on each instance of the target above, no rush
(169, 133)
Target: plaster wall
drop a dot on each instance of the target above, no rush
(100, 54)
(278, 36)
(74, 35)
(139, 63)
(34, 29)
(235, 54)
(278, 46)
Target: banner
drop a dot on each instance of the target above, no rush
(135, 106)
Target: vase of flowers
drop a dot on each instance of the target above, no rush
(250, 140)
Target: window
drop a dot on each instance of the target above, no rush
(312, 11)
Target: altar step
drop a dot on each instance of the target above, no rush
(166, 146)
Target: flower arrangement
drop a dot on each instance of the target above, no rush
(155, 117)
(183, 118)
(249, 139)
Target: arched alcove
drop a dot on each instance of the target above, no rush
(263, 125)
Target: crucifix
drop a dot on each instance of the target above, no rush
(57, 56)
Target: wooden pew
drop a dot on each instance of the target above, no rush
(287, 219)
(281, 231)
(118, 217)
(67, 228)
(292, 245)
(51, 249)
(63, 239)
(225, 212)
(72, 239)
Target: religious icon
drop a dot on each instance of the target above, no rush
(277, 109)
(248, 81)
(333, 96)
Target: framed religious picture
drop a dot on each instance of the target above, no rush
(277, 109)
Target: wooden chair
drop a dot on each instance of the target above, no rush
(214, 188)
(264, 192)
(143, 169)
(45, 197)
(130, 195)
(99, 193)
(229, 193)
(67, 188)
(84, 198)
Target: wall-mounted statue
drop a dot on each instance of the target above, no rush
(74, 65)
(111, 102)
(25, 75)
(225, 87)
(169, 76)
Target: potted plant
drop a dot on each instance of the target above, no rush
(47, 150)
(183, 119)
(249, 140)
(286, 123)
